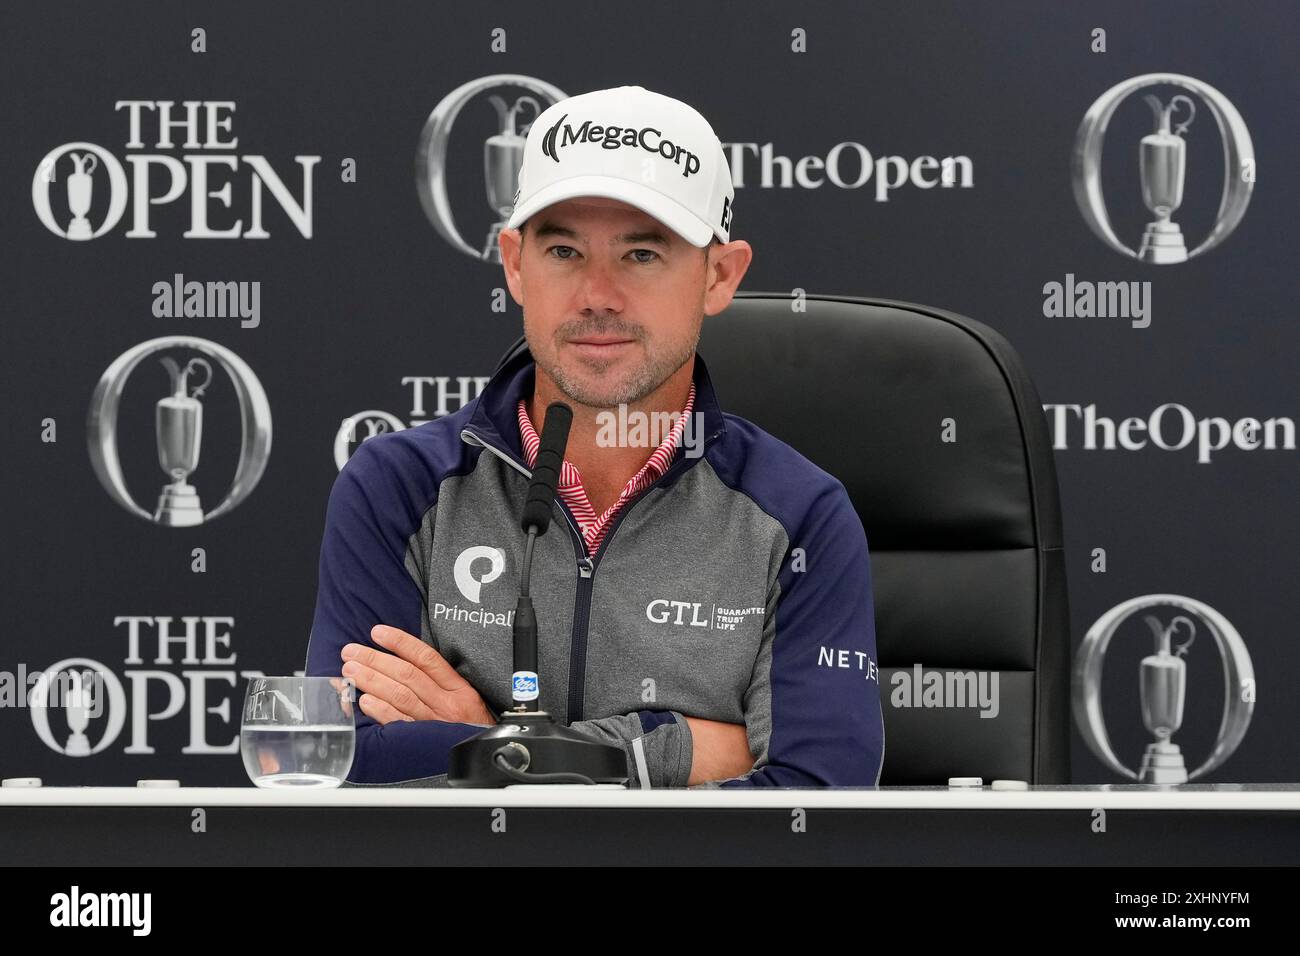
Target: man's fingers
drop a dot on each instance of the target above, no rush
(395, 692)
(412, 678)
(380, 710)
(397, 668)
(411, 648)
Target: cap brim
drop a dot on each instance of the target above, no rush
(650, 201)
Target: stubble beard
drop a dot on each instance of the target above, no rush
(638, 382)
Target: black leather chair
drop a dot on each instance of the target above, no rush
(965, 535)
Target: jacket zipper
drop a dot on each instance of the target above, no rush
(579, 545)
(586, 569)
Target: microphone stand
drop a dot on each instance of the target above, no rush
(527, 745)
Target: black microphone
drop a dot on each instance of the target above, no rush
(546, 468)
(536, 519)
(527, 745)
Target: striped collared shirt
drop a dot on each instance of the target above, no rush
(575, 496)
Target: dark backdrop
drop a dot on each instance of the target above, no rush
(376, 302)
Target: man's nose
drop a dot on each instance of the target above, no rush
(601, 290)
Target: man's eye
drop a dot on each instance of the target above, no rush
(567, 258)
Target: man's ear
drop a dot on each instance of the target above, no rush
(730, 264)
(511, 246)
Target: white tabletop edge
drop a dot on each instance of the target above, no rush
(1285, 798)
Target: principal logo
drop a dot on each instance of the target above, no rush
(69, 179)
(1162, 165)
(178, 426)
(1174, 622)
(468, 582)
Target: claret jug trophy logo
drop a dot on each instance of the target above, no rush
(503, 153)
(1175, 622)
(178, 422)
(1162, 165)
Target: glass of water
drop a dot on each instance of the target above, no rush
(298, 731)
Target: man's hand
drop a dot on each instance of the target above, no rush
(413, 682)
(718, 750)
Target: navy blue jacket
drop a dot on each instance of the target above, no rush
(737, 587)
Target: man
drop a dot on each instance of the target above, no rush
(703, 596)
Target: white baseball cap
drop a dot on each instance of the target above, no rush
(631, 144)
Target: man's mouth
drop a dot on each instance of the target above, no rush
(600, 344)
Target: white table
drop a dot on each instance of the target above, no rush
(1198, 824)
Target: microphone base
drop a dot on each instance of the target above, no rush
(534, 744)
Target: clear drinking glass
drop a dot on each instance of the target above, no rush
(298, 731)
